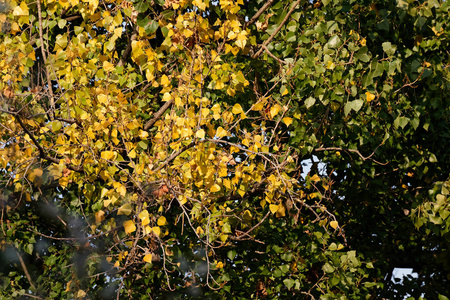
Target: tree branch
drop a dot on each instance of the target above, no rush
(158, 115)
(25, 270)
(276, 31)
(44, 57)
(174, 155)
(258, 13)
(127, 50)
(42, 153)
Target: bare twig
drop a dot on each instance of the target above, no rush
(25, 270)
(258, 13)
(352, 150)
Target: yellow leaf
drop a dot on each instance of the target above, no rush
(287, 121)
(221, 132)
(21, 10)
(145, 219)
(107, 66)
(223, 238)
(199, 230)
(315, 178)
(63, 181)
(103, 193)
(273, 208)
(281, 212)
(125, 209)
(258, 106)
(121, 189)
(81, 294)
(38, 172)
(156, 230)
(369, 96)
(162, 221)
(334, 224)
(165, 80)
(132, 153)
(99, 216)
(274, 110)
(129, 226)
(284, 91)
(200, 134)
(148, 258)
(237, 109)
(167, 97)
(117, 264)
(340, 247)
(108, 155)
(219, 265)
(215, 188)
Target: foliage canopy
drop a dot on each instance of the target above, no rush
(157, 149)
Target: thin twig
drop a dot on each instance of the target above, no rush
(25, 270)
(258, 13)
(42, 153)
(352, 150)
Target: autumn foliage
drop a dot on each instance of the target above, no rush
(222, 149)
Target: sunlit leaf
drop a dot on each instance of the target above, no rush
(129, 226)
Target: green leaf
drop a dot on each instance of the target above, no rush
(401, 122)
(30, 248)
(289, 283)
(141, 6)
(310, 102)
(143, 145)
(334, 42)
(327, 268)
(389, 48)
(151, 27)
(231, 254)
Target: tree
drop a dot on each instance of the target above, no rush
(157, 149)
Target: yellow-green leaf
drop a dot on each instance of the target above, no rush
(125, 209)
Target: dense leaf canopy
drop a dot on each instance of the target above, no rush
(226, 149)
